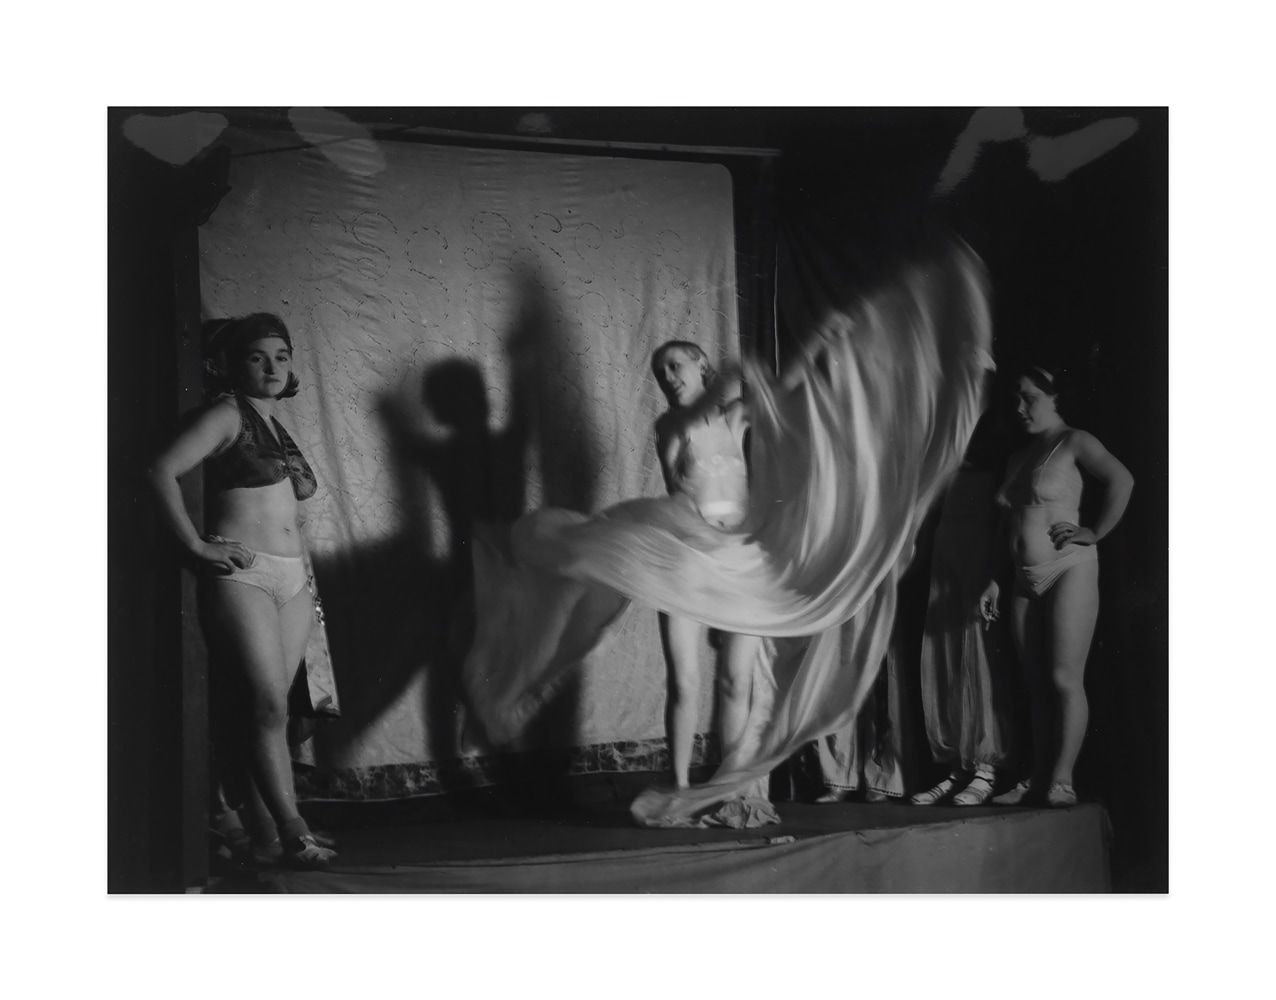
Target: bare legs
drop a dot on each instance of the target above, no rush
(1053, 635)
(682, 638)
(266, 643)
(735, 686)
(1073, 614)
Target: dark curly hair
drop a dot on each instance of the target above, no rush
(225, 343)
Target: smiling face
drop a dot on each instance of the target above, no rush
(681, 376)
(1035, 407)
(264, 366)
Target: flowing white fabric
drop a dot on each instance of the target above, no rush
(848, 452)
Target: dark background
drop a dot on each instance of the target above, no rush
(1079, 275)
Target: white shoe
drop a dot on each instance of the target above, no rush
(935, 795)
(976, 793)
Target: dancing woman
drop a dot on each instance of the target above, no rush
(256, 606)
(847, 452)
(700, 441)
(1055, 602)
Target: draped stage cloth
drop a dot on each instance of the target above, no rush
(472, 331)
(849, 449)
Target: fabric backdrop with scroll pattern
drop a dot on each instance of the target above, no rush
(473, 331)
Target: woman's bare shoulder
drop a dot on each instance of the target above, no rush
(203, 433)
(1089, 453)
(222, 413)
(215, 425)
(1083, 443)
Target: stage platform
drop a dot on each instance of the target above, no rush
(844, 848)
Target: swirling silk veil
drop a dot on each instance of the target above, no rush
(849, 449)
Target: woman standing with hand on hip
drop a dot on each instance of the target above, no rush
(1055, 602)
(256, 606)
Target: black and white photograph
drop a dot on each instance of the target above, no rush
(638, 500)
(622, 500)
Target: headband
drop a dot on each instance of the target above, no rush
(1048, 376)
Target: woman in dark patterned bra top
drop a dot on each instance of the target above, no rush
(1055, 602)
(700, 441)
(255, 602)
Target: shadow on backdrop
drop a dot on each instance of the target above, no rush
(403, 607)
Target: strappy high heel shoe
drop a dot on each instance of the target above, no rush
(271, 852)
(977, 792)
(1061, 795)
(835, 795)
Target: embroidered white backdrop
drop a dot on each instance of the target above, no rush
(473, 330)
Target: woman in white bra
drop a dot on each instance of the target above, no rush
(1055, 603)
(700, 440)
